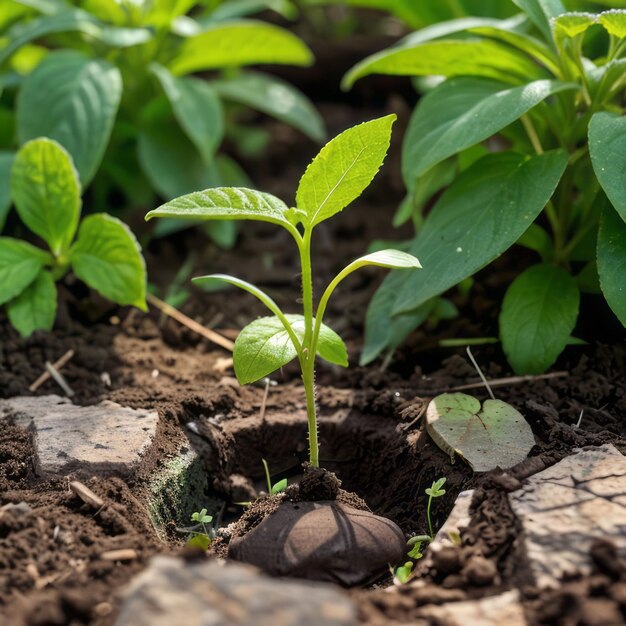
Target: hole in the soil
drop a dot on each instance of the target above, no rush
(386, 466)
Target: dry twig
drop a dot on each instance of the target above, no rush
(57, 365)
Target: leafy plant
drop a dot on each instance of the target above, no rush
(104, 254)
(116, 91)
(335, 178)
(200, 539)
(550, 84)
(404, 573)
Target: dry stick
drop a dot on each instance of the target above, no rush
(264, 402)
(57, 366)
(183, 319)
(480, 372)
(59, 380)
(503, 382)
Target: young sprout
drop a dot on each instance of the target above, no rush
(200, 540)
(281, 485)
(434, 491)
(336, 177)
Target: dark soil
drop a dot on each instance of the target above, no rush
(51, 569)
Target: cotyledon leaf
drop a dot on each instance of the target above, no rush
(488, 436)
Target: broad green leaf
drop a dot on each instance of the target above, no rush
(572, 24)
(273, 97)
(612, 261)
(108, 258)
(482, 214)
(242, 8)
(344, 167)
(541, 12)
(20, 263)
(36, 307)
(46, 192)
(264, 346)
(74, 100)
(199, 542)
(462, 112)
(239, 43)
(538, 316)
(488, 436)
(196, 108)
(6, 163)
(450, 57)
(226, 203)
(607, 145)
(614, 22)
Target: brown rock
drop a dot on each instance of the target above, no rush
(600, 612)
(326, 540)
(480, 571)
(447, 560)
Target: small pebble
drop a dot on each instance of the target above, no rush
(480, 571)
(447, 560)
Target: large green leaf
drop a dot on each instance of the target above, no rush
(538, 316)
(196, 108)
(450, 57)
(541, 12)
(108, 258)
(19, 265)
(239, 43)
(607, 145)
(344, 167)
(614, 22)
(230, 203)
(6, 163)
(480, 216)
(264, 346)
(612, 261)
(46, 192)
(274, 97)
(463, 111)
(36, 307)
(494, 435)
(74, 100)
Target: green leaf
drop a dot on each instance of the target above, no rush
(20, 263)
(196, 108)
(36, 307)
(612, 261)
(226, 203)
(108, 258)
(281, 485)
(480, 215)
(541, 12)
(390, 258)
(538, 316)
(607, 146)
(239, 43)
(276, 98)
(74, 100)
(537, 239)
(494, 435)
(450, 57)
(264, 346)
(462, 112)
(6, 163)
(572, 24)
(614, 22)
(46, 192)
(199, 541)
(344, 167)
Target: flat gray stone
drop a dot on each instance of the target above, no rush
(104, 437)
(216, 593)
(491, 611)
(566, 507)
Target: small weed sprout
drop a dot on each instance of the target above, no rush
(281, 485)
(336, 177)
(200, 539)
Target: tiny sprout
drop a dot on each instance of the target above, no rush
(201, 517)
(281, 485)
(404, 573)
(335, 178)
(200, 540)
(434, 491)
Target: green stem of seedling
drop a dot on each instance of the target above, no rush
(430, 525)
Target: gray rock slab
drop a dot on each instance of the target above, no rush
(491, 611)
(105, 437)
(564, 508)
(215, 593)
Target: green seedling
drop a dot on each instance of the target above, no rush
(549, 84)
(404, 573)
(101, 250)
(201, 540)
(281, 485)
(335, 178)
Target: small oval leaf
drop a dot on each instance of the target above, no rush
(36, 307)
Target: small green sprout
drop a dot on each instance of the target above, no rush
(281, 485)
(404, 573)
(336, 177)
(200, 540)
(434, 491)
